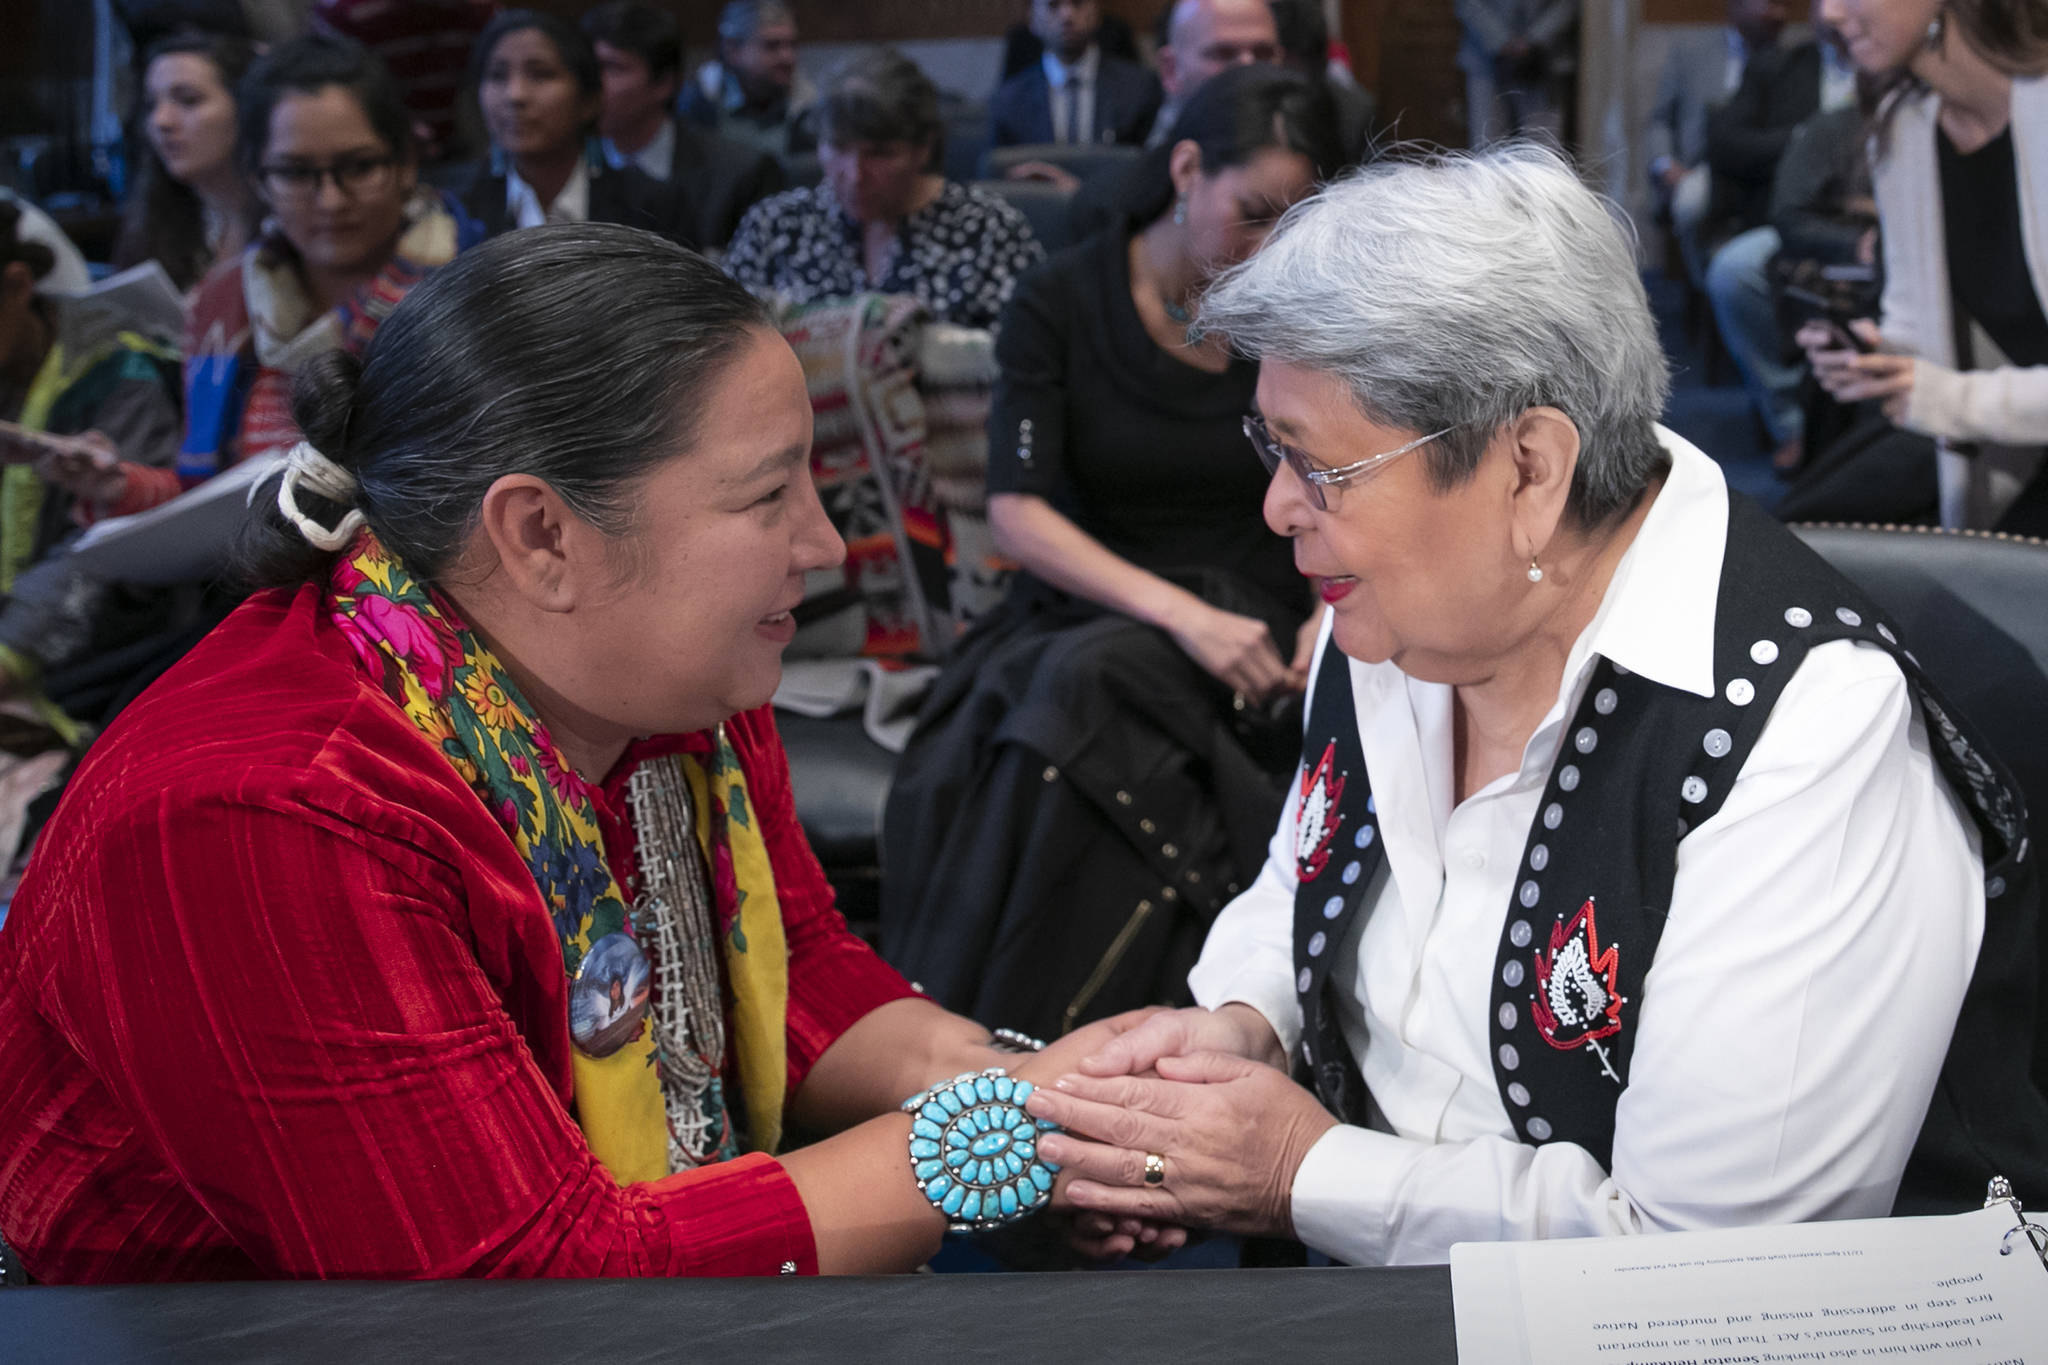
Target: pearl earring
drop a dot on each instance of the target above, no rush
(1937, 29)
(1180, 211)
(1535, 573)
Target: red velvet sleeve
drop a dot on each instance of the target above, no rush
(312, 1045)
(834, 978)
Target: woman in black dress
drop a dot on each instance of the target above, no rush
(1087, 784)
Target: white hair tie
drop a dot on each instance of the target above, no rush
(307, 468)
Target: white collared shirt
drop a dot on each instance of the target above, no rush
(1082, 74)
(1823, 927)
(657, 158)
(572, 205)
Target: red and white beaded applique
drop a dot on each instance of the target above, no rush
(1322, 787)
(1577, 1000)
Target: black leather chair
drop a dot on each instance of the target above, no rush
(1044, 206)
(841, 778)
(1083, 161)
(1973, 608)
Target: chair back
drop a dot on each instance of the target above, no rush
(1084, 160)
(1044, 206)
(1973, 608)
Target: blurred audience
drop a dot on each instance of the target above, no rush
(1305, 47)
(752, 91)
(68, 272)
(327, 141)
(425, 45)
(884, 219)
(1022, 47)
(68, 367)
(1781, 87)
(189, 206)
(1204, 38)
(541, 90)
(1077, 93)
(1702, 70)
(1519, 58)
(1960, 350)
(1154, 620)
(640, 54)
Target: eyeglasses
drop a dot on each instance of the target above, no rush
(1314, 478)
(352, 175)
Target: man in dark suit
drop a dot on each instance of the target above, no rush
(641, 53)
(1077, 94)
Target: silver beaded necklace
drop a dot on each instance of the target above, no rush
(673, 917)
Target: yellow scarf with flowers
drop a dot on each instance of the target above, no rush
(451, 687)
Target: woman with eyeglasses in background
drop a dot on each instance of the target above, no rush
(191, 206)
(328, 144)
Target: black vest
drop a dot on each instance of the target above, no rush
(1641, 765)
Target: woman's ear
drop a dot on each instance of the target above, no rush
(1544, 448)
(1184, 166)
(547, 554)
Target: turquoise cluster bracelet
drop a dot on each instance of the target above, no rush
(974, 1151)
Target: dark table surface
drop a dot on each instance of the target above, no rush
(1293, 1316)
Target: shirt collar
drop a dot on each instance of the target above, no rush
(1657, 617)
(657, 158)
(572, 205)
(1058, 73)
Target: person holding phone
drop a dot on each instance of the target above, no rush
(1960, 169)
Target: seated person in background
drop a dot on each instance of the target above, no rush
(68, 273)
(1702, 70)
(329, 147)
(753, 92)
(367, 998)
(425, 45)
(884, 219)
(69, 369)
(190, 206)
(1022, 47)
(1636, 878)
(541, 92)
(1961, 175)
(1305, 47)
(1781, 88)
(1077, 777)
(640, 51)
(1204, 38)
(1077, 94)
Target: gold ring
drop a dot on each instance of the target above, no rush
(1155, 1169)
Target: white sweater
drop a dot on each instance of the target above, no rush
(2006, 406)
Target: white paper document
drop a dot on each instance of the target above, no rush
(1954, 1290)
(190, 538)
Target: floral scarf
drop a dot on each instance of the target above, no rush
(455, 691)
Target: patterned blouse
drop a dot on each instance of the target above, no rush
(959, 256)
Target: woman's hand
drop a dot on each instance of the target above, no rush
(86, 466)
(1851, 376)
(1232, 1134)
(1237, 649)
(1235, 1028)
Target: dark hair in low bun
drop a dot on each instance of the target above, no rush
(1233, 117)
(578, 353)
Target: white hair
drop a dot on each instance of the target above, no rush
(1460, 290)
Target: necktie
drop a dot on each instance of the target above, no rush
(1071, 92)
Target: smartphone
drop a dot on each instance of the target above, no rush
(1812, 307)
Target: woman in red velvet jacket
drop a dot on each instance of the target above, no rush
(445, 912)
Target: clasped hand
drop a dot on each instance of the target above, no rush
(1203, 1091)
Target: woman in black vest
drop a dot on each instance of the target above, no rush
(1633, 879)
(538, 84)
